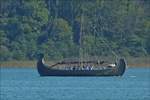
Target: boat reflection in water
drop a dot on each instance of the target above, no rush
(96, 68)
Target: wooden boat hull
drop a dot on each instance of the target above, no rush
(77, 73)
(119, 70)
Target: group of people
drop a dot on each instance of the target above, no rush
(81, 68)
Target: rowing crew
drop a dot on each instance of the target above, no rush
(81, 68)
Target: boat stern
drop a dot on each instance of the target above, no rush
(40, 64)
(121, 66)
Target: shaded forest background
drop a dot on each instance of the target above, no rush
(28, 27)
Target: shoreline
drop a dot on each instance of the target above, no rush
(136, 63)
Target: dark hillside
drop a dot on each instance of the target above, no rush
(28, 27)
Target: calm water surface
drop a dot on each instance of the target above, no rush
(26, 84)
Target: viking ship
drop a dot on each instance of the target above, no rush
(116, 69)
(81, 67)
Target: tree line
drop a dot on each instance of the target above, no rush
(68, 28)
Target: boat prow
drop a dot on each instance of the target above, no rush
(117, 69)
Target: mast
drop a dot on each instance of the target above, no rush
(56, 10)
(80, 39)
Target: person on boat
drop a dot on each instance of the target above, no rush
(83, 67)
(74, 68)
(101, 62)
(88, 68)
(91, 67)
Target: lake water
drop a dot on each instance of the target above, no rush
(26, 84)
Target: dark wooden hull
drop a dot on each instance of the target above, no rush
(118, 70)
(108, 72)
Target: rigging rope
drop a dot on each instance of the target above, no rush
(112, 51)
(105, 43)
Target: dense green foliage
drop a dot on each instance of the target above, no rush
(53, 27)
